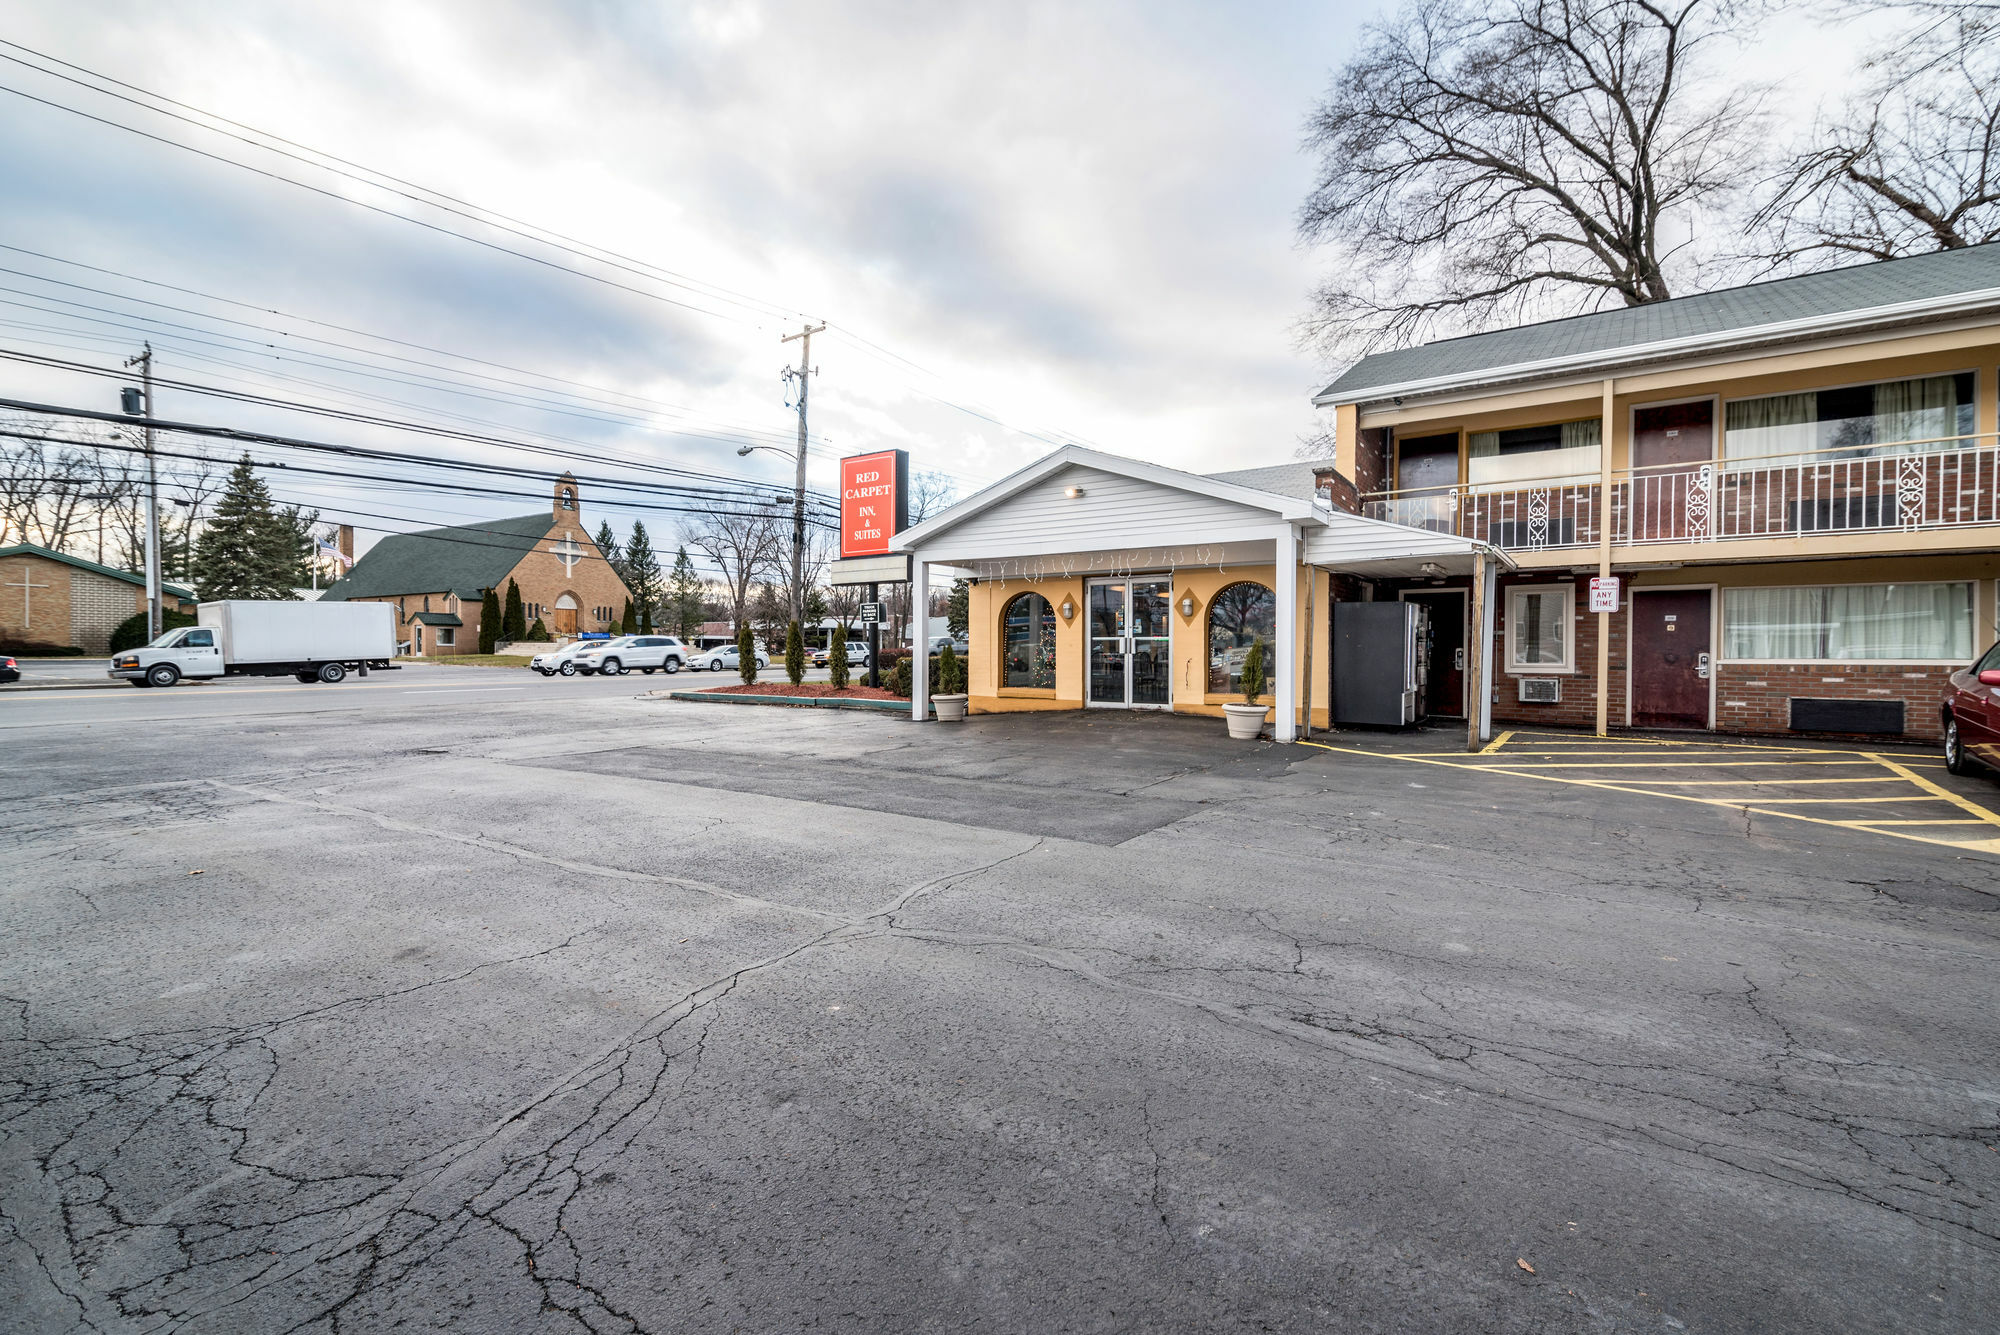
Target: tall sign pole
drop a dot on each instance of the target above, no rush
(144, 361)
(804, 375)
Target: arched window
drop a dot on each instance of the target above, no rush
(1238, 617)
(1028, 642)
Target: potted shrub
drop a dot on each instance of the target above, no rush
(950, 699)
(1247, 719)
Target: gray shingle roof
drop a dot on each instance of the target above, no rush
(1293, 479)
(1858, 288)
(437, 618)
(465, 560)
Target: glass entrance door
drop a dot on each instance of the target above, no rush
(1130, 665)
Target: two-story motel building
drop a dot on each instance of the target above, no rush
(1794, 481)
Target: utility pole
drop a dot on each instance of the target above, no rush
(144, 406)
(803, 375)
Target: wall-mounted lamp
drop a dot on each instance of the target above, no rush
(1187, 606)
(1072, 492)
(1068, 610)
(1431, 568)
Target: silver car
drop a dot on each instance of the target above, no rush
(715, 660)
(562, 660)
(648, 653)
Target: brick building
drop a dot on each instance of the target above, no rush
(1797, 484)
(438, 578)
(52, 598)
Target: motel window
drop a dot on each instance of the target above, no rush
(1894, 417)
(1424, 462)
(1909, 622)
(1239, 617)
(1028, 636)
(1540, 628)
(1563, 452)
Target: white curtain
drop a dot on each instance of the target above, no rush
(1774, 623)
(1925, 622)
(1777, 428)
(1916, 411)
(1575, 460)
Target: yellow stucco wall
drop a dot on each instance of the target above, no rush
(1188, 644)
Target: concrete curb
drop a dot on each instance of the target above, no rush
(794, 701)
(64, 686)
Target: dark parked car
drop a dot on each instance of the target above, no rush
(1972, 716)
(9, 670)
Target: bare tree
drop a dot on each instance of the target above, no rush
(1911, 162)
(745, 545)
(1517, 159)
(930, 493)
(55, 478)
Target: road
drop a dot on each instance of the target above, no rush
(461, 1000)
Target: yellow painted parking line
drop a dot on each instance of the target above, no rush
(1496, 743)
(1946, 794)
(1963, 820)
(1842, 801)
(1738, 783)
(1990, 845)
(1670, 764)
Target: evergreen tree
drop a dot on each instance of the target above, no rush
(836, 659)
(645, 621)
(642, 568)
(250, 548)
(607, 543)
(683, 610)
(514, 622)
(746, 654)
(489, 622)
(958, 611)
(629, 623)
(537, 631)
(795, 654)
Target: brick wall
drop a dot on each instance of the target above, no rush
(1578, 707)
(97, 603)
(1371, 459)
(1756, 697)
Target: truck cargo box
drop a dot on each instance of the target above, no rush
(298, 632)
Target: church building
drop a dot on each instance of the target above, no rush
(437, 578)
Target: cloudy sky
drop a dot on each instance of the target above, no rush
(1025, 223)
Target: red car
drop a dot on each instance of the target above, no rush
(1972, 716)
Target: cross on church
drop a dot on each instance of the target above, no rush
(569, 553)
(27, 588)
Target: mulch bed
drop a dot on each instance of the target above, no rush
(817, 690)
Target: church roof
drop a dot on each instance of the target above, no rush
(466, 559)
(180, 591)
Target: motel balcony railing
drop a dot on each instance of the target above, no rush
(1953, 482)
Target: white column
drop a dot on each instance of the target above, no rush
(1286, 727)
(1486, 678)
(920, 662)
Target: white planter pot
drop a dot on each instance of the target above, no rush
(1245, 721)
(950, 708)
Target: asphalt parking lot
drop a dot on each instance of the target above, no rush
(452, 1003)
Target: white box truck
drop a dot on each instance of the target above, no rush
(240, 638)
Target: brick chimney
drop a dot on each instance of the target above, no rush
(567, 506)
(346, 542)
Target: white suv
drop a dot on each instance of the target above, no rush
(648, 653)
(562, 660)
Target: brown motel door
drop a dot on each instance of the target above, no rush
(1670, 658)
(565, 618)
(1669, 446)
(1444, 688)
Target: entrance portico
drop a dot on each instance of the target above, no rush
(1104, 582)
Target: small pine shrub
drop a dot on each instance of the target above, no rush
(1253, 672)
(795, 654)
(131, 632)
(836, 659)
(746, 655)
(537, 631)
(950, 673)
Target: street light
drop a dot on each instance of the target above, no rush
(798, 457)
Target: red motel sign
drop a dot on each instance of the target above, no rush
(874, 501)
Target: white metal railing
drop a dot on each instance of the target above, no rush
(1903, 486)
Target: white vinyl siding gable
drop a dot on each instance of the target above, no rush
(1113, 511)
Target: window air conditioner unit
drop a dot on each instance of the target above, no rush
(1541, 690)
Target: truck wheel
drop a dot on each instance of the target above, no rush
(331, 673)
(568, 669)
(162, 674)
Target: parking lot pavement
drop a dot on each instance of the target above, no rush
(571, 1010)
